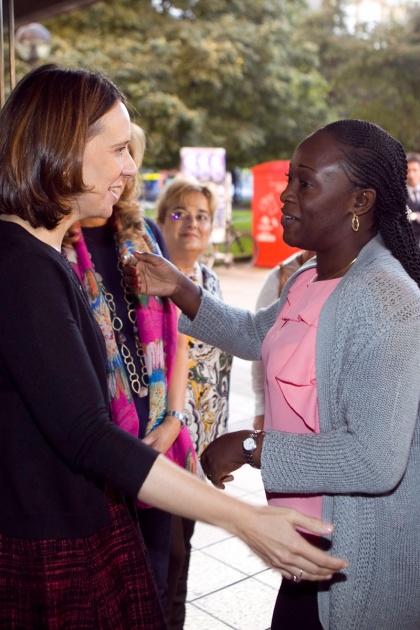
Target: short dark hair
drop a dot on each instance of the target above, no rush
(372, 158)
(45, 126)
(413, 157)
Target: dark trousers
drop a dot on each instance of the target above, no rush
(155, 526)
(296, 607)
(179, 562)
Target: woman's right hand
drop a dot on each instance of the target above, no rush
(151, 274)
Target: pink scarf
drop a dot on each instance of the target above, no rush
(156, 319)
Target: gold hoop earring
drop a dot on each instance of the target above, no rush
(355, 223)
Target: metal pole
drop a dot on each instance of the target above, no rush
(12, 60)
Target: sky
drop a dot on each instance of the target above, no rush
(369, 11)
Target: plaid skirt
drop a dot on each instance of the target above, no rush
(102, 582)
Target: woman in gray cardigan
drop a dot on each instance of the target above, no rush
(346, 199)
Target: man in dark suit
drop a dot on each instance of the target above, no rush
(413, 185)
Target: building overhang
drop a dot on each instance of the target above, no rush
(26, 11)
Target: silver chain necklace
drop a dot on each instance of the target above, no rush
(139, 383)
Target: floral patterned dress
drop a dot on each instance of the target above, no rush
(206, 401)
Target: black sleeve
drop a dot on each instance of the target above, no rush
(49, 345)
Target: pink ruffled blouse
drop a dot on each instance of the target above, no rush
(288, 356)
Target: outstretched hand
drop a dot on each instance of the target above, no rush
(151, 274)
(271, 532)
(274, 537)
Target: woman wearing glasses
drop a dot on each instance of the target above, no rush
(185, 214)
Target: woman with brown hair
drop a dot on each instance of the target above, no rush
(70, 554)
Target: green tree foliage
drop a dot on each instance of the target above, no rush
(225, 73)
(253, 76)
(384, 82)
(373, 74)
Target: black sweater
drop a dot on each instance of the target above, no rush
(59, 447)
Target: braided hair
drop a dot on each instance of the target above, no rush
(374, 159)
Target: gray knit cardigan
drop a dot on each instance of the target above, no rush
(366, 460)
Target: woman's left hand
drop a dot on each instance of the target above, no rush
(162, 438)
(223, 456)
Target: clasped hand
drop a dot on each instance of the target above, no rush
(223, 456)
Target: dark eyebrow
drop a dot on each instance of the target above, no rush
(308, 167)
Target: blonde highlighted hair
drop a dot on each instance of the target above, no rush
(127, 209)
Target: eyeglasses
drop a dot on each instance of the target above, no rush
(184, 216)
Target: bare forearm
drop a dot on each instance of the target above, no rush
(170, 488)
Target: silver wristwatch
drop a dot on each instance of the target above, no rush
(249, 446)
(178, 415)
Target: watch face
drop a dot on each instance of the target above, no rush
(249, 444)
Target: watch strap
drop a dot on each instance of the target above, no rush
(178, 415)
(249, 455)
